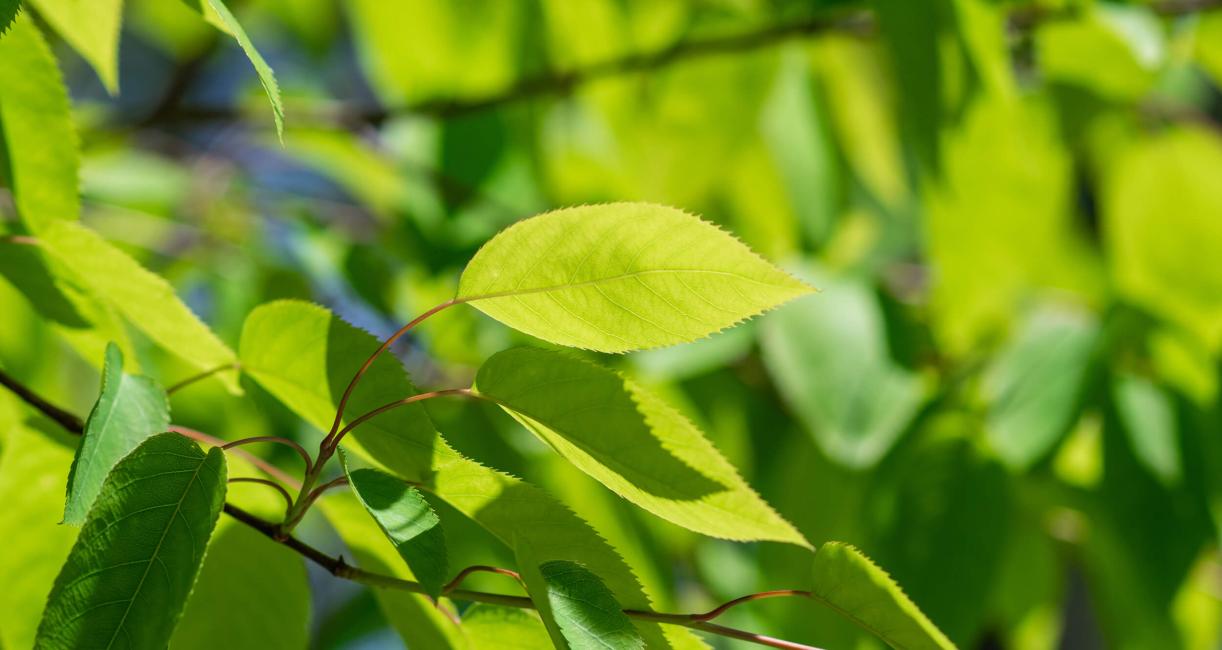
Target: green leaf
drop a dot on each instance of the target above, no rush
(304, 356)
(33, 473)
(1035, 383)
(1160, 206)
(578, 610)
(39, 137)
(8, 11)
(848, 582)
(419, 622)
(133, 566)
(620, 277)
(830, 360)
(1090, 53)
(146, 299)
(91, 27)
(129, 410)
(1208, 40)
(408, 522)
(630, 441)
(488, 627)
(216, 13)
(252, 594)
(1148, 417)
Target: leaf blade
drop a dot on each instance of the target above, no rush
(92, 28)
(620, 277)
(128, 411)
(89, 601)
(631, 441)
(408, 521)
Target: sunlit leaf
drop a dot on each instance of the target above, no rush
(146, 299)
(133, 566)
(1088, 52)
(488, 627)
(621, 277)
(304, 356)
(851, 584)
(39, 136)
(631, 441)
(408, 521)
(129, 410)
(1035, 383)
(829, 357)
(92, 28)
(1148, 416)
(33, 473)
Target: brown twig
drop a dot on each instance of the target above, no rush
(288, 498)
(61, 417)
(305, 455)
(266, 467)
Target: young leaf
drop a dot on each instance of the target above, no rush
(147, 300)
(631, 441)
(620, 277)
(257, 588)
(129, 410)
(218, 14)
(130, 572)
(39, 138)
(33, 472)
(91, 27)
(831, 363)
(578, 610)
(304, 356)
(489, 627)
(408, 522)
(1034, 386)
(849, 583)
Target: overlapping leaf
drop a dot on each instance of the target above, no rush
(8, 11)
(131, 570)
(129, 410)
(147, 300)
(40, 140)
(620, 277)
(851, 584)
(92, 28)
(304, 357)
(631, 441)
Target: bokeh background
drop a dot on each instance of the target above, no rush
(1006, 392)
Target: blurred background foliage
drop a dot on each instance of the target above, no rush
(1006, 391)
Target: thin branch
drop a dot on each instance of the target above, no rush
(337, 567)
(62, 417)
(305, 455)
(203, 375)
(328, 445)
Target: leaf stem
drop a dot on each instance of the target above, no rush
(462, 575)
(288, 498)
(305, 455)
(396, 404)
(266, 467)
(233, 365)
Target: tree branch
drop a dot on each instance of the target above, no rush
(337, 567)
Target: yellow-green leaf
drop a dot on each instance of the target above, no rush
(91, 27)
(620, 277)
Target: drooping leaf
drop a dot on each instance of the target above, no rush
(147, 300)
(133, 566)
(39, 138)
(33, 473)
(578, 610)
(1148, 417)
(408, 521)
(304, 356)
(91, 27)
(1035, 384)
(620, 277)
(215, 12)
(488, 627)
(830, 360)
(1160, 207)
(631, 441)
(419, 622)
(252, 594)
(848, 582)
(129, 410)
